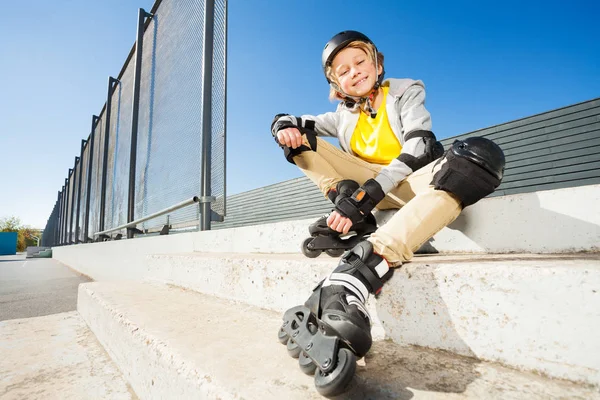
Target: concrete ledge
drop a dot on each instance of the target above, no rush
(271, 281)
(539, 314)
(173, 343)
(553, 221)
(120, 259)
(527, 311)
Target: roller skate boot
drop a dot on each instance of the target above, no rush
(333, 327)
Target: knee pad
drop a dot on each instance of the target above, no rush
(311, 137)
(474, 168)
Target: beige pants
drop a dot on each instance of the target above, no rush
(423, 211)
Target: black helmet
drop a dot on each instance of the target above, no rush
(337, 43)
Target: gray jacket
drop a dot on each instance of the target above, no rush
(405, 106)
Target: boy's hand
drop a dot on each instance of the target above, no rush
(291, 137)
(339, 223)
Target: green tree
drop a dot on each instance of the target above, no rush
(10, 224)
(25, 234)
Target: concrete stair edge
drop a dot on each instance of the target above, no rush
(490, 308)
(548, 221)
(174, 343)
(106, 322)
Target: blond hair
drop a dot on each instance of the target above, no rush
(369, 50)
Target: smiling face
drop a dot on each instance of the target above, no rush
(354, 71)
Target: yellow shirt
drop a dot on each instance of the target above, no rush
(373, 139)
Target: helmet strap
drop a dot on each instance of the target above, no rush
(365, 103)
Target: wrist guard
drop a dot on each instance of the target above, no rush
(362, 201)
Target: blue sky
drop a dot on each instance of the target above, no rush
(483, 63)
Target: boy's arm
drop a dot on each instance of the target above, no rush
(419, 146)
(323, 124)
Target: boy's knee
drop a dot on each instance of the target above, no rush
(473, 169)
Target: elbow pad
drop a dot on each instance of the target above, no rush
(279, 124)
(433, 150)
(290, 121)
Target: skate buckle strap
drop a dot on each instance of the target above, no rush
(373, 280)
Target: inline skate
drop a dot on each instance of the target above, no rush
(333, 327)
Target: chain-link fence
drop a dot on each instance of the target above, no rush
(141, 168)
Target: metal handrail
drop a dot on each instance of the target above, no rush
(177, 206)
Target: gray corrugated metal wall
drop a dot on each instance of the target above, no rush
(555, 149)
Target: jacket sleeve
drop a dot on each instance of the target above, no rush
(414, 116)
(322, 124)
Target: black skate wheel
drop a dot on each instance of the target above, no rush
(336, 381)
(308, 252)
(335, 253)
(306, 364)
(282, 336)
(293, 349)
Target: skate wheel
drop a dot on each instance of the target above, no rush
(293, 349)
(306, 364)
(336, 381)
(334, 252)
(308, 252)
(282, 336)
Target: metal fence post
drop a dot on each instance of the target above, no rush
(56, 219)
(77, 230)
(207, 73)
(95, 120)
(139, 45)
(111, 86)
(66, 213)
(62, 214)
(73, 200)
(225, 115)
(57, 228)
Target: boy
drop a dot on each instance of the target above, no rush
(389, 159)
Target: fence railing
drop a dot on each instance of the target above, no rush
(159, 139)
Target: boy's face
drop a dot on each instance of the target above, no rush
(355, 71)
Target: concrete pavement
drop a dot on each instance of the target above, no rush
(47, 350)
(56, 357)
(36, 287)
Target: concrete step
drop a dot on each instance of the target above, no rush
(549, 221)
(56, 357)
(32, 250)
(531, 312)
(42, 254)
(175, 343)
